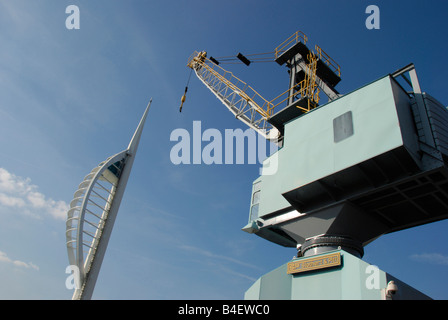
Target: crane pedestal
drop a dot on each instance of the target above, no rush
(334, 275)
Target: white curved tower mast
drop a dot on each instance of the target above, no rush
(92, 214)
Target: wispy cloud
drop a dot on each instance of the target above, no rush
(209, 254)
(18, 192)
(214, 258)
(238, 274)
(28, 265)
(432, 258)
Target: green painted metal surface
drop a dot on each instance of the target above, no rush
(316, 146)
(355, 279)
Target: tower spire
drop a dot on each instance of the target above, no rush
(133, 145)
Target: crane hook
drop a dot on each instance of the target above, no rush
(182, 100)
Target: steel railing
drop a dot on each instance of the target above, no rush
(324, 57)
(292, 40)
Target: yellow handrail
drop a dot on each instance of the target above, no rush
(300, 36)
(302, 91)
(306, 88)
(292, 40)
(328, 60)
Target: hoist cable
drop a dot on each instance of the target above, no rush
(184, 97)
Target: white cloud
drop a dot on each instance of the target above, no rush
(433, 258)
(12, 184)
(18, 192)
(10, 201)
(4, 258)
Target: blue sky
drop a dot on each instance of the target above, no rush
(71, 98)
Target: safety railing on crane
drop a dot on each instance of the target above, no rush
(321, 54)
(325, 58)
(292, 40)
(305, 88)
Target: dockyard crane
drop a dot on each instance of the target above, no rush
(369, 163)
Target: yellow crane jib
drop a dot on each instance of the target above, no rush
(249, 106)
(215, 77)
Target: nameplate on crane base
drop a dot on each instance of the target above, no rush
(314, 263)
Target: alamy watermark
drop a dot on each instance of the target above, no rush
(373, 278)
(73, 281)
(212, 147)
(73, 20)
(373, 20)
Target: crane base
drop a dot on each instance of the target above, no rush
(335, 275)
